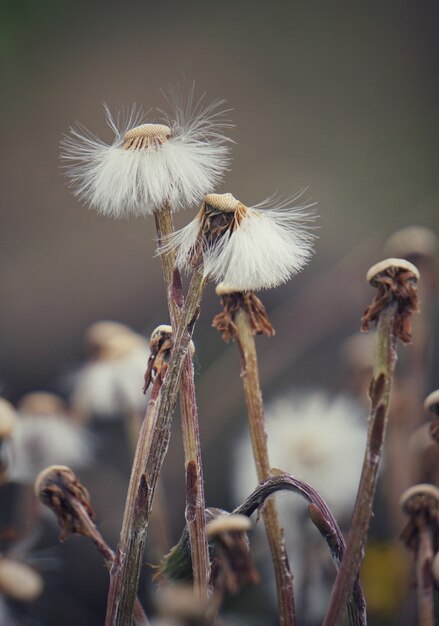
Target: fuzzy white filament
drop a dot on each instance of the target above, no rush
(265, 247)
(188, 156)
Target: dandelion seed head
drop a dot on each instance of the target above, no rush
(145, 136)
(148, 164)
(222, 201)
(249, 248)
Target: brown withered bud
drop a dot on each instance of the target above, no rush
(232, 563)
(431, 404)
(232, 302)
(421, 504)
(396, 281)
(59, 488)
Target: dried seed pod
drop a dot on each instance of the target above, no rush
(19, 581)
(8, 418)
(42, 403)
(420, 497)
(395, 280)
(431, 402)
(388, 265)
(233, 301)
(228, 524)
(59, 488)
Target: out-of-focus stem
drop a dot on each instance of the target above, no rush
(195, 501)
(384, 362)
(424, 577)
(255, 409)
(150, 453)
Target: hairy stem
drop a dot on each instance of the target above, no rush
(255, 410)
(150, 453)
(139, 616)
(195, 501)
(424, 578)
(384, 362)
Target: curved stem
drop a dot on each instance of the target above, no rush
(322, 518)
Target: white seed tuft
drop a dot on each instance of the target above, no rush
(265, 246)
(149, 165)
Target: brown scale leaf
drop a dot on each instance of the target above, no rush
(394, 285)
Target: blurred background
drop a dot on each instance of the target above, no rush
(340, 98)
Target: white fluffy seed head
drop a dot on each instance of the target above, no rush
(265, 246)
(149, 165)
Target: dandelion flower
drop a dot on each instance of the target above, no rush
(247, 248)
(149, 165)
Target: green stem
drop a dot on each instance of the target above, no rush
(151, 450)
(195, 501)
(384, 363)
(256, 420)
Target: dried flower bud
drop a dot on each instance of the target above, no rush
(8, 418)
(19, 581)
(387, 267)
(160, 345)
(42, 403)
(419, 497)
(59, 489)
(396, 281)
(412, 241)
(232, 302)
(228, 524)
(431, 402)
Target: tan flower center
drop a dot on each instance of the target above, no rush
(145, 136)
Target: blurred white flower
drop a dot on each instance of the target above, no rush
(247, 248)
(148, 165)
(110, 385)
(318, 439)
(41, 440)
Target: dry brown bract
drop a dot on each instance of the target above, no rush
(248, 301)
(395, 284)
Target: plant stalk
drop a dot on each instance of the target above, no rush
(384, 363)
(424, 578)
(151, 450)
(195, 502)
(255, 410)
(139, 616)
